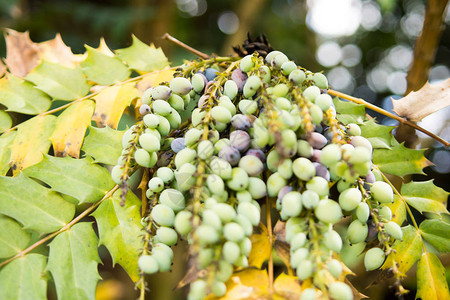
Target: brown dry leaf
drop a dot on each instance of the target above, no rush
(261, 247)
(249, 284)
(192, 273)
(287, 287)
(22, 54)
(430, 98)
(57, 51)
(70, 129)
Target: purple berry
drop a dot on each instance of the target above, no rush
(210, 74)
(258, 153)
(316, 155)
(240, 140)
(317, 140)
(239, 78)
(241, 122)
(177, 145)
(230, 154)
(322, 171)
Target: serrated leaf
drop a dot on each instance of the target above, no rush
(398, 209)
(400, 160)
(349, 112)
(21, 96)
(261, 247)
(22, 55)
(248, 284)
(31, 141)
(104, 144)
(103, 69)
(431, 283)
(154, 78)
(73, 261)
(5, 121)
(33, 205)
(13, 238)
(24, 278)
(436, 232)
(425, 196)
(58, 81)
(287, 287)
(379, 136)
(56, 51)
(5, 151)
(142, 57)
(79, 178)
(119, 228)
(414, 107)
(407, 251)
(70, 128)
(111, 102)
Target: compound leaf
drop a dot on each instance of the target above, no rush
(111, 102)
(58, 81)
(436, 233)
(70, 128)
(103, 69)
(31, 141)
(79, 178)
(73, 261)
(407, 251)
(13, 238)
(104, 144)
(5, 151)
(33, 205)
(21, 96)
(431, 282)
(142, 57)
(119, 228)
(400, 160)
(425, 196)
(349, 112)
(24, 278)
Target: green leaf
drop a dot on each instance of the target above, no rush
(104, 144)
(142, 57)
(73, 261)
(103, 69)
(400, 160)
(24, 278)
(431, 283)
(436, 233)
(79, 178)
(378, 135)
(13, 238)
(5, 151)
(349, 112)
(58, 81)
(407, 251)
(21, 96)
(425, 196)
(119, 228)
(33, 205)
(31, 141)
(5, 121)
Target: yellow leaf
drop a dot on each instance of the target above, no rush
(56, 51)
(398, 209)
(70, 129)
(261, 247)
(431, 282)
(111, 102)
(430, 98)
(31, 141)
(103, 48)
(248, 284)
(154, 78)
(287, 287)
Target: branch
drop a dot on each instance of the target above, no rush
(271, 240)
(66, 227)
(388, 114)
(200, 54)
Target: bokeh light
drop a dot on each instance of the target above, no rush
(228, 22)
(329, 54)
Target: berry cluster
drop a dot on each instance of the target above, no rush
(258, 127)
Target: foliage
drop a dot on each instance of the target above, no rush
(50, 169)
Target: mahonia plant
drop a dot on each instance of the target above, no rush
(216, 140)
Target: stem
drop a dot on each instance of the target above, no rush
(66, 227)
(269, 229)
(200, 54)
(388, 114)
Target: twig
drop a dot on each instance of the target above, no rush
(388, 114)
(269, 229)
(200, 54)
(66, 227)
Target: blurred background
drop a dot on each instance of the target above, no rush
(365, 47)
